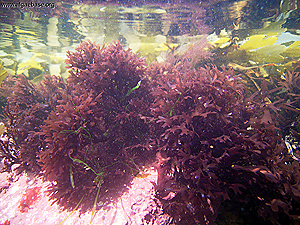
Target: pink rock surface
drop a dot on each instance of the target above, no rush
(131, 207)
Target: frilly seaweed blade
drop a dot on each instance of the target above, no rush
(217, 142)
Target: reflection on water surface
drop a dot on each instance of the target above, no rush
(34, 41)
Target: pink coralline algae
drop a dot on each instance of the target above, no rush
(29, 198)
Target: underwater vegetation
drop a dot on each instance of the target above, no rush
(91, 135)
(27, 107)
(215, 136)
(219, 141)
(84, 133)
(3, 73)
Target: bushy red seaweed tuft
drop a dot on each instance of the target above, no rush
(218, 142)
(91, 132)
(111, 69)
(27, 107)
(85, 134)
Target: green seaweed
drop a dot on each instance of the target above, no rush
(131, 90)
(96, 199)
(72, 211)
(79, 161)
(98, 179)
(172, 109)
(71, 177)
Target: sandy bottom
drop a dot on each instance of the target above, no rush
(131, 208)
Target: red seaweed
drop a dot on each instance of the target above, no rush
(6, 222)
(29, 198)
(219, 143)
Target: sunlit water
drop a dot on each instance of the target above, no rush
(34, 40)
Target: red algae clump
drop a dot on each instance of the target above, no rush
(29, 198)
